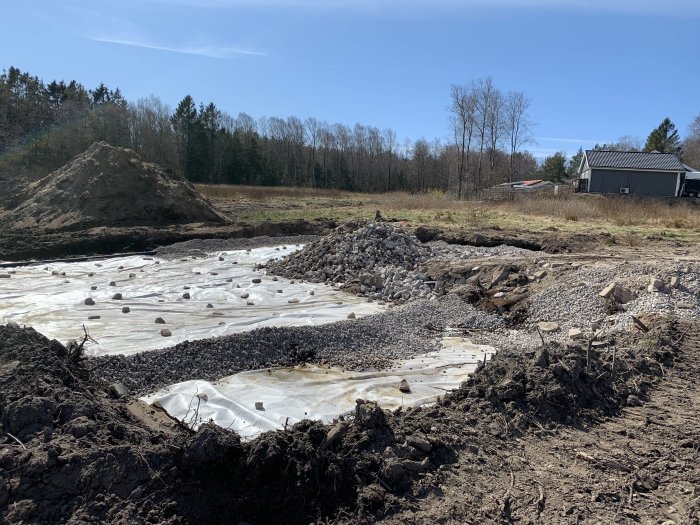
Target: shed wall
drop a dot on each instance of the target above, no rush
(651, 183)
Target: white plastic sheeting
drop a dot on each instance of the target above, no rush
(289, 395)
(54, 304)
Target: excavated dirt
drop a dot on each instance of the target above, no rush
(108, 200)
(18, 245)
(554, 434)
(71, 453)
(490, 236)
(109, 187)
(632, 463)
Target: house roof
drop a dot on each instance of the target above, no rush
(634, 160)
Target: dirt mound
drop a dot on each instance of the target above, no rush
(108, 186)
(563, 384)
(67, 451)
(70, 453)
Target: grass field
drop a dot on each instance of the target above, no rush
(538, 212)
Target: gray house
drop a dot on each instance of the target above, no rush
(632, 173)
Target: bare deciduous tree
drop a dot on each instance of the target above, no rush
(390, 144)
(151, 132)
(691, 145)
(495, 126)
(485, 95)
(518, 126)
(462, 118)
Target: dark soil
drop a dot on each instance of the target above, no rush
(85, 458)
(17, 245)
(629, 463)
(490, 236)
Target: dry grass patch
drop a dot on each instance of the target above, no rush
(399, 200)
(567, 212)
(619, 211)
(261, 193)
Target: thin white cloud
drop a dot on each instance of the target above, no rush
(204, 51)
(669, 7)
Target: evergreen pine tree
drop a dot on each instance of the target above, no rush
(184, 122)
(664, 138)
(554, 167)
(574, 164)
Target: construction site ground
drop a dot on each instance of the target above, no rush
(551, 431)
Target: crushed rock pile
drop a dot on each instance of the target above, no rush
(110, 187)
(375, 259)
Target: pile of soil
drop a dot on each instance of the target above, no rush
(631, 460)
(68, 452)
(110, 187)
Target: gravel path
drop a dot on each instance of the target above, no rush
(369, 343)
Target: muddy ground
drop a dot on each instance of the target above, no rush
(19, 246)
(22, 245)
(557, 435)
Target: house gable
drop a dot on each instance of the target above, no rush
(634, 173)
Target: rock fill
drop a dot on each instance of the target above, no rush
(376, 259)
(111, 187)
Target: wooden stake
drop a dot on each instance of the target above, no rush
(641, 325)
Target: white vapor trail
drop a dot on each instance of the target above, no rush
(205, 51)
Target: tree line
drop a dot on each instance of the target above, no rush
(43, 125)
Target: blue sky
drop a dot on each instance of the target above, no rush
(595, 70)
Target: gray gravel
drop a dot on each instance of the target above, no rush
(201, 247)
(514, 340)
(664, 302)
(573, 303)
(374, 259)
(382, 261)
(572, 297)
(369, 343)
(453, 251)
(569, 296)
